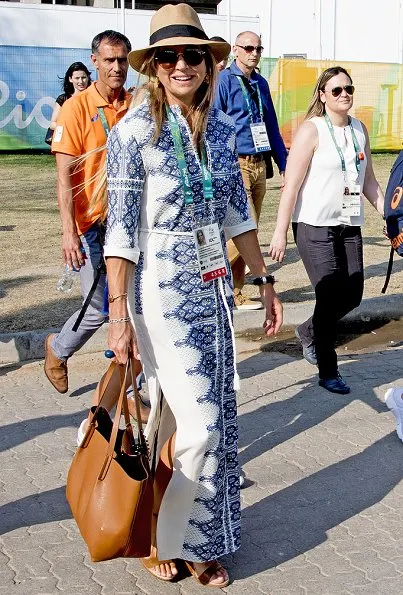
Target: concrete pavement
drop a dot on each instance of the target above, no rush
(323, 506)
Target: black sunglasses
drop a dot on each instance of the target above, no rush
(249, 48)
(349, 89)
(167, 58)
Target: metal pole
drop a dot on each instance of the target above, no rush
(123, 15)
(334, 28)
(400, 29)
(270, 27)
(229, 21)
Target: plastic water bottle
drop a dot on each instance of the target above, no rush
(66, 281)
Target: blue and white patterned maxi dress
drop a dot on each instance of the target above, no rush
(183, 326)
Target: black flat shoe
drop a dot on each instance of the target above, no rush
(335, 385)
(308, 351)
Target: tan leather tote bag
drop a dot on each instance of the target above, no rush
(109, 484)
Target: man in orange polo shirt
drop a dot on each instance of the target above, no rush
(82, 127)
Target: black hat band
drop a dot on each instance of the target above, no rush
(177, 31)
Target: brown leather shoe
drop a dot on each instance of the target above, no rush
(55, 368)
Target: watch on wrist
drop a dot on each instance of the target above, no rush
(265, 280)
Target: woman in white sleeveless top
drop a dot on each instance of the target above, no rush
(329, 171)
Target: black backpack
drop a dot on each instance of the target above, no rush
(393, 211)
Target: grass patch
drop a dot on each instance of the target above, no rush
(30, 245)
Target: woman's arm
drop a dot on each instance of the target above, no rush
(55, 115)
(248, 247)
(299, 159)
(121, 335)
(372, 191)
(125, 183)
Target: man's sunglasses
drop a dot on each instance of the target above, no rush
(167, 58)
(337, 91)
(249, 48)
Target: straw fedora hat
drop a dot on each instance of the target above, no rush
(177, 24)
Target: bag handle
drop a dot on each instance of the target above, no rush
(122, 404)
(137, 402)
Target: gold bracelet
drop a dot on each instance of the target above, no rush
(116, 320)
(112, 298)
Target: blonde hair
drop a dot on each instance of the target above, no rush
(316, 106)
(155, 93)
(99, 197)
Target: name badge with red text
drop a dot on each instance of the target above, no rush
(210, 255)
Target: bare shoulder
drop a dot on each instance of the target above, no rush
(307, 135)
(308, 129)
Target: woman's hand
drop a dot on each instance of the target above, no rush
(274, 310)
(122, 341)
(278, 246)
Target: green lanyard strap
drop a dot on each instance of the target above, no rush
(103, 119)
(339, 150)
(247, 99)
(178, 144)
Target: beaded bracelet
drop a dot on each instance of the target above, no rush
(116, 320)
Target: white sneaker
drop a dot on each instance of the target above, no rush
(81, 431)
(394, 400)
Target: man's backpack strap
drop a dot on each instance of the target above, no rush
(388, 272)
(100, 270)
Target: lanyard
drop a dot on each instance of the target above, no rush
(340, 152)
(103, 119)
(207, 180)
(247, 99)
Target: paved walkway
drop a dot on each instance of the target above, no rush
(322, 510)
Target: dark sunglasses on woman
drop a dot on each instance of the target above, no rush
(349, 89)
(167, 58)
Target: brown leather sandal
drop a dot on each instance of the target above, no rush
(152, 561)
(144, 410)
(205, 576)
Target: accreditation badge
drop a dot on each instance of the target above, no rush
(210, 255)
(57, 135)
(351, 205)
(260, 138)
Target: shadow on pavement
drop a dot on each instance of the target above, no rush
(36, 509)
(16, 433)
(296, 519)
(264, 428)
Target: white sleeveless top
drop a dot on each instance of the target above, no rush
(319, 200)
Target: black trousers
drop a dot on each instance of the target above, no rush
(332, 257)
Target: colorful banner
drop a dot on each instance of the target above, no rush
(30, 81)
(378, 97)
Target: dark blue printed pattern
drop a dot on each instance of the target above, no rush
(147, 215)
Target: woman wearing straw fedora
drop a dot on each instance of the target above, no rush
(172, 171)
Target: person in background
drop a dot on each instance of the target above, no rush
(76, 79)
(329, 171)
(222, 65)
(393, 202)
(172, 169)
(82, 128)
(244, 95)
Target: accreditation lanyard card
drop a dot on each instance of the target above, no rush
(351, 206)
(259, 135)
(210, 255)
